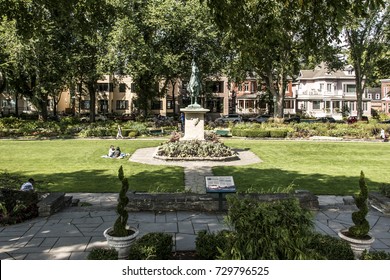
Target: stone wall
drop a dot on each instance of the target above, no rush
(204, 202)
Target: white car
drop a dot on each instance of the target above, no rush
(98, 117)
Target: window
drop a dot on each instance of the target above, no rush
(122, 87)
(132, 87)
(122, 104)
(169, 104)
(329, 87)
(214, 86)
(369, 95)
(365, 106)
(85, 104)
(377, 96)
(246, 87)
(321, 87)
(289, 104)
(316, 105)
(104, 86)
(157, 105)
(350, 88)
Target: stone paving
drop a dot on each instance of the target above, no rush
(73, 232)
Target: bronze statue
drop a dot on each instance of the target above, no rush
(194, 86)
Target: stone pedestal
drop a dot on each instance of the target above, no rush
(194, 123)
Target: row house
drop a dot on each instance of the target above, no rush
(385, 94)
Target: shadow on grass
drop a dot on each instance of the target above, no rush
(164, 180)
(262, 180)
(172, 180)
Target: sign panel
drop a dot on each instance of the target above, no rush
(220, 184)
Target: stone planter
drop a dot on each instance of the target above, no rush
(121, 244)
(357, 245)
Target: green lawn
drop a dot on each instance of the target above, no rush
(77, 166)
(321, 167)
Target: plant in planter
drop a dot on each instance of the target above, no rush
(358, 235)
(121, 236)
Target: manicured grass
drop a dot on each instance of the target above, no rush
(321, 167)
(77, 166)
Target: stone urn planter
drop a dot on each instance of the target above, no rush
(358, 235)
(121, 244)
(120, 236)
(358, 246)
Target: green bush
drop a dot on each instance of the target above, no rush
(152, 246)
(379, 255)
(268, 230)
(278, 133)
(17, 206)
(330, 248)
(209, 245)
(361, 226)
(103, 254)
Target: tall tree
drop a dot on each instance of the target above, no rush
(34, 40)
(272, 37)
(156, 40)
(367, 45)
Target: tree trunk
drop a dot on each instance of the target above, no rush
(173, 97)
(359, 91)
(92, 99)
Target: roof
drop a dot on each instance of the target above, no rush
(322, 71)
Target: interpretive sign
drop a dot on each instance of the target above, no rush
(222, 184)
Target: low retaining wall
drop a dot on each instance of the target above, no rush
(204, 202)
(379, 202)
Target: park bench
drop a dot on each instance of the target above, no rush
(222, 132)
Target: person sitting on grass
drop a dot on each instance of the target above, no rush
(28, 186)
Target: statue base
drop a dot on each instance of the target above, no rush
(194, 122)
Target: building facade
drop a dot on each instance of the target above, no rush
(321, 93)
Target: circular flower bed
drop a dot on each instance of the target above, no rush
(195, 150)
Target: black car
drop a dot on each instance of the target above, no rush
(386, 121)
(325, 120)
(260, 119)
(295, 119)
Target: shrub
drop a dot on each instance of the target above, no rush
(132, 134)
(152, 246)
(278, 133)
(209, 245)
(330, 248)
(17, 206)
(103, 254)
(119, 229)
(361, 226)
(379, 255)
(268, 230)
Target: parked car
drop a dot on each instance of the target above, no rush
(295, 119)
(326, 120)
(353, 119)
(260, 119)
(126, 117)
(234, 118)
(86, 118)
(385, 121)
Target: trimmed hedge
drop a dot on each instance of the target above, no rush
(260, 133)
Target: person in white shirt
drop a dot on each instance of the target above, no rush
(28, 186)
